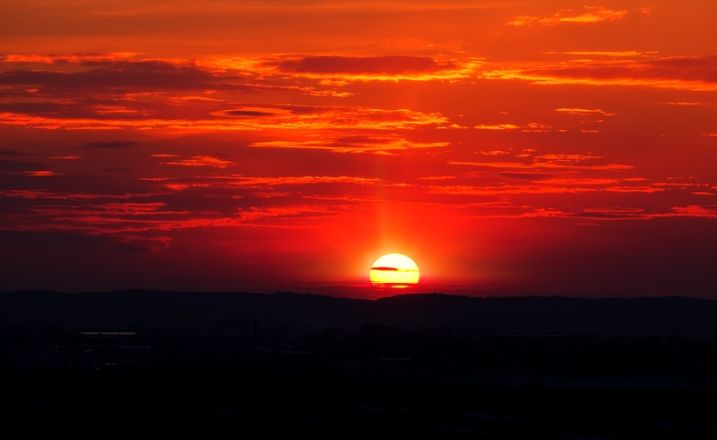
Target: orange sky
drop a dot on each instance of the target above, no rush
(506, 146)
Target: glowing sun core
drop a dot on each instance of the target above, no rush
(394, 270)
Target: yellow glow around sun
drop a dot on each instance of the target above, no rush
(395, 270)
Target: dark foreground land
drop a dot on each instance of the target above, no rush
(215, 365)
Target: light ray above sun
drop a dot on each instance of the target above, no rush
(394, 270)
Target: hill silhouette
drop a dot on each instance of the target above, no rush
(148, 310)
(154, 365)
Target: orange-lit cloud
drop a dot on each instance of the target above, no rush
(240, 120)
(41, 173)
(589, 14)
(584, 111)
(606, 53)
(388, 65)
(543, 165)
(200, 161)
(381, 68)
(352, 144)
(685, 73)
(20, 58)
(299, 180)
(531, 127)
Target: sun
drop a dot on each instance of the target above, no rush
(394, 270)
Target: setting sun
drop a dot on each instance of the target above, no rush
(394, 270)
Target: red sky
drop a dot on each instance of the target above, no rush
(506, 146)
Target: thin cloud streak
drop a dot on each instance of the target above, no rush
(589, 15)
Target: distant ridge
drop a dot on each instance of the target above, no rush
(160, 310)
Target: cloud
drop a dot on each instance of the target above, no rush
(123, 220)
(543, 165)
(255, 213)
(436, 178)
(41, 173)
(688, 211)
(695, 73)
(504, 190)
(118, 93)
(496, 127)
(248, 113)
(634, 189)
(573, 181)
(589, 14)
(42, 194)
(185, 80)
(494, 153)
(101, 145)
(576, 111)
(117, 76)
(390, 65)
(213, 201)
(697, 211)
(319, 118)
(529, 127)
(606, 53)
(685, 103)
(375, 68)
(382, 145)
(229, 183)
(567, 157)
(260, 181)
(76, 58)
(601, 214)
(200, 161)
(548, 186)
(132, 208)
(197, 137)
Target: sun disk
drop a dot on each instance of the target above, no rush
(394, 270)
